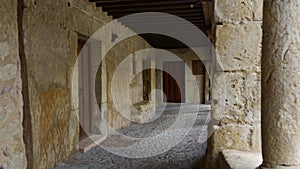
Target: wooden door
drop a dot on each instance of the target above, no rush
(146, 80)
(174, 87)
(84, 88)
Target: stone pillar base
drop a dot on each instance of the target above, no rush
(234, 159)
(266, 165)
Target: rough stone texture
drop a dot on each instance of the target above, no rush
(280, 84)
(232, 159)
(236, 11)
(4, 50)
(236, 80)
(235, 98)
(12, 149)
(8, 72)
(232, 137)
(51, 31)
(242, 54)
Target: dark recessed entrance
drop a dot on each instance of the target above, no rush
(174, 82)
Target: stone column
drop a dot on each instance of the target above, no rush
(281, 84)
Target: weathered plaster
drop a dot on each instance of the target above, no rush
(51, 30)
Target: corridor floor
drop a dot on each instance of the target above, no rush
(188, 154)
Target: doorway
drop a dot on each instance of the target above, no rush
(146, 80)
(84, 93)
(174, 81)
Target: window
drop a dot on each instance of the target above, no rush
(198, 67)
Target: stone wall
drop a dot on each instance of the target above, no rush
(236, 81)
(12, 149)
(51, 31)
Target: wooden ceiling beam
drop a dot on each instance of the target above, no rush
(153, 8)
(174, 12)
(163, 25)
(198, 23)
(181, 30)
(206, 12)
(195, 11)
(178, 29)
(163, 22)
(182, 15)
(145, 19)
(120, 1)
(137, 1)
(137, 4)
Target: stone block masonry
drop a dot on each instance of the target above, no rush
(236, 85)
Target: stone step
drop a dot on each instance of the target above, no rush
(186, 108)
(233, 159)
(90, 142)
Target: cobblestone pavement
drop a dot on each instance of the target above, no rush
(188, 154)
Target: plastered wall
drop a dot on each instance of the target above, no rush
(51, 31)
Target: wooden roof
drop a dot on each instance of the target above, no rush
(194, 11)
